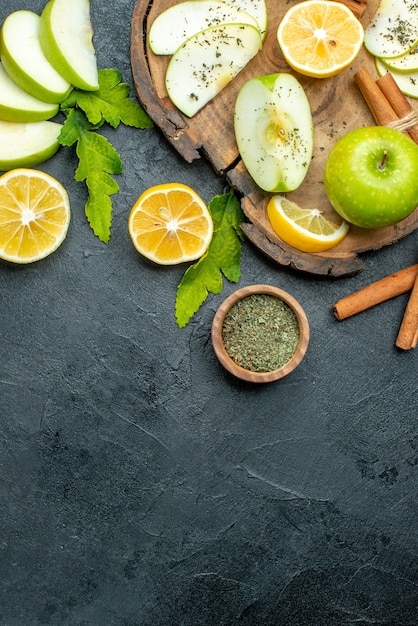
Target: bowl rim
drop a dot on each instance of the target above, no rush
(220, 350)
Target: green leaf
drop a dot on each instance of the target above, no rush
(87, 111)
(97, 160)
(74, 126)
(223, 258)
(110, 103)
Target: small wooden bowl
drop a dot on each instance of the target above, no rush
(249, 375)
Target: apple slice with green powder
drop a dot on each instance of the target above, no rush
(207, 62)
(392, 31)
(66, 36)
(18, 106)
(274, 131)
(181, 21)
(27, 145)
(406, 81)
(406, 63)
(256, 8)
(23, 59)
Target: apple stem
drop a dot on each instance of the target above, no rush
(381, 165)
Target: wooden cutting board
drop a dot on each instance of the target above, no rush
(337, 107)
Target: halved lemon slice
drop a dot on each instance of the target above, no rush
(34, 215)
(170, 224)
(320, 38)
(305, 229)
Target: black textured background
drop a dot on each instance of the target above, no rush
(141, 485)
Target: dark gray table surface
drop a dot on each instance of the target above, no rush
(142, 485)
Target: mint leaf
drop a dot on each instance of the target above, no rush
(73, 128)
(110, 103)
(223, 258)
(97, 160)
(86, 112)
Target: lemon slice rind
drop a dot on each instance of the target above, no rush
(295, 231)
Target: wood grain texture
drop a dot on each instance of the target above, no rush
(337, 107)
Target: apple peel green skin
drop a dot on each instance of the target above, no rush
(274, 131)
(406, 81)
(27, 145)
(371, 177)
(24, 61)
(66, 36)
(407, 63)
(18, 106)
(177, 23)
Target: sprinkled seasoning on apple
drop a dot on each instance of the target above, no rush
(204, 64)
(256, 8)
(175, 25)
(392, 38)
(406, 81)
(404, 64)
(371, 176)
(274, 131)
(392, 31)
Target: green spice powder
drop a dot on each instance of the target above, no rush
(260, 333)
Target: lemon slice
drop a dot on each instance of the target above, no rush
(34, 215)
(170, 224)
(320, 38)
(305, 229)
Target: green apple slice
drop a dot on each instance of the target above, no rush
(27, 145)
(407, 82)
(18, 106)
(392, 32)
(66, 37)
(181, 21)
(23, 59)
(207, 62)
(406, 63)
(256, 8)
(274, 131)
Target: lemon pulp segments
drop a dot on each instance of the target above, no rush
(320, 38)
(34, 215)
(170, 224)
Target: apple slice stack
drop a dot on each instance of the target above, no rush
(210, 41)
(42, 57)
(392, 38)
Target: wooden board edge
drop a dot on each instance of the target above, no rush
(168, 120)
(314, 264)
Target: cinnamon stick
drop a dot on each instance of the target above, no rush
(408, 332)
(377, 102)
(384, 289)
(356, 6)
(403, 109)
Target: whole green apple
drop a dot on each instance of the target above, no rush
(371, 176)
